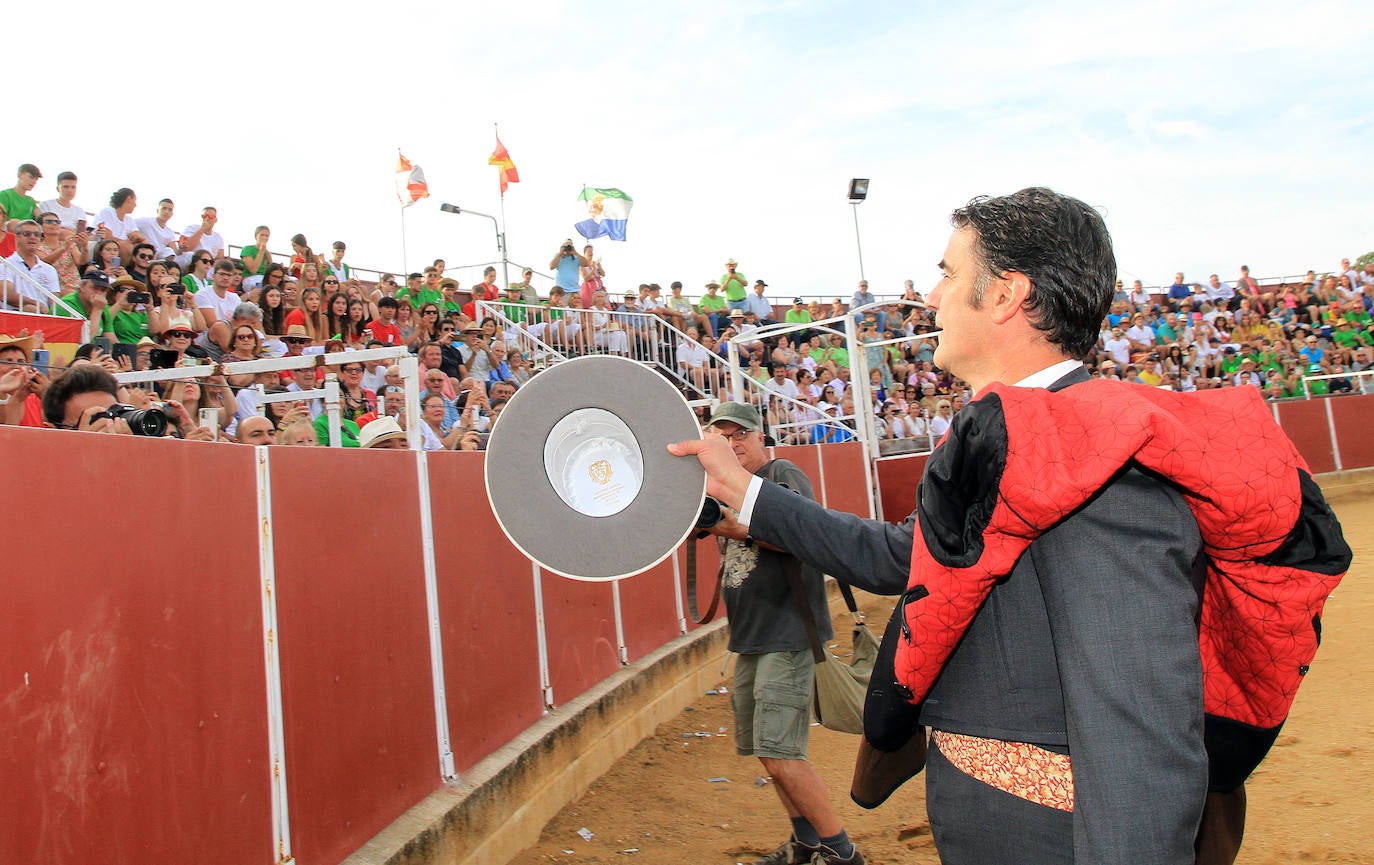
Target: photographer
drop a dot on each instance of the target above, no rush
(80, 399)
(566, 264)
(769, 633)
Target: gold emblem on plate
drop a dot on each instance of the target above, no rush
(600, 471)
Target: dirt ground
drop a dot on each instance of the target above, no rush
(683, 796)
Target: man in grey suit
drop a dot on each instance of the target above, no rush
(1067, 724)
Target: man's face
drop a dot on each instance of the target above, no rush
(209, 216)
(29, 239)
(430, 357)
(255, 430)
(434, 381)
(747, 444)
(502, 390)
(432, 279)
(26, 181)
(66, 190)
(758, 289)
(395, 403)
(225, 279)
(1213, 281)
(528, 276)
(304, 378)
(966, 330)
(164, 211)
(863, 288)
(413, 283)
(1178, 279)
(77, 405)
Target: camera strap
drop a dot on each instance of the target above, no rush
(692, 610)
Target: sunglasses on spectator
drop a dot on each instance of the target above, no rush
(297, 340)
(245, 336)
(144, 257)
(331, 282)
(50, 222)
(182, 334)
(352, 369)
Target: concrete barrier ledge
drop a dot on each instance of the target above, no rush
(499, 806)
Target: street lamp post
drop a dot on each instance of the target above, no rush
(500, 236)
(858, 191)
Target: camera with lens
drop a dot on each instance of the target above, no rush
(711, 513)
(151, 422)
(567, 249)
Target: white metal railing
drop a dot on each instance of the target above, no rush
(330, 393)
(1365, 385)
(13, 297)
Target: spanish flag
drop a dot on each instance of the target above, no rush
(410, 181)
(501, 159)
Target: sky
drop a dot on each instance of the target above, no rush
(1209, 134)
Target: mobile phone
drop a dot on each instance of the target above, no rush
(102, 343)
(162, 358)
(125, 349)
(140, 297)
(81, 226)
(209, 418)
(176, 288)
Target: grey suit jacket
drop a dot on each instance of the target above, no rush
(1088, 646)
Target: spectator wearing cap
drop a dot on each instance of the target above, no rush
(759, 305)
(21, 386)
(90, 299)
(19, 205)
(862, 297)
(713, 306)
(129, 311)
(27, 274)
(735, 286)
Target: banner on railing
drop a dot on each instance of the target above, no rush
(61, 336)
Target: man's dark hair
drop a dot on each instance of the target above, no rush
(66, 175)
(80, 378)
(388, 303)
(224, 265)
(1062, 245)
(120, 196)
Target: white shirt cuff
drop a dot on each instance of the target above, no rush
(751, 495)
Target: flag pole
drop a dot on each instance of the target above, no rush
(404, 267)
(501, 232)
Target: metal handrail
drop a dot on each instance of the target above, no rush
(409, 376)
(45, 297)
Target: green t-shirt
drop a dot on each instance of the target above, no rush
(553, 313)
(74, 301)
(735, 288)
(513, 311)
(18, 206)
(1346, 338)
(248, 252)
(126, 326)
(711, 303)
(1230, 364)
(797, 316)
(839, 355)
(422, 297)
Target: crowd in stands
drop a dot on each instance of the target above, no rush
(158, 297)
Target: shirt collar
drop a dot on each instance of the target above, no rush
(1050, 374)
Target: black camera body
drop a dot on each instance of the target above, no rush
(711, 513)
(151, 422)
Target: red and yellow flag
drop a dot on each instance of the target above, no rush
(410, 181)
(501, 159)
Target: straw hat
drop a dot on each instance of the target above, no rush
(380, 430)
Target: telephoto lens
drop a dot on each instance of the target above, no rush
(149, 422)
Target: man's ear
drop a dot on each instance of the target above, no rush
(1006, 295)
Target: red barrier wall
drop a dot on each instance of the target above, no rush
(846, 482)
(1354, 419)
(898, 478)
(486, 605)
(579, 621)
(357, 697)
(1305, 423)
(648, 609)
(132, 704)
